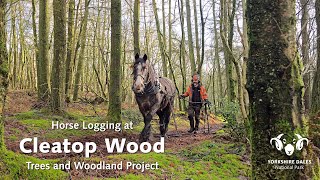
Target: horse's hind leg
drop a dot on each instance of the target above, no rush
(162, 128)
(166, 120)
(145, 134)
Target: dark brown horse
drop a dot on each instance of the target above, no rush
(154, 95)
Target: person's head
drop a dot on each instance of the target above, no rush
(195, 80)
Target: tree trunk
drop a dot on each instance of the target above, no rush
(274, 83)
(182, 58)
(35, 39)
(315, 106)
(190, 40)
(224, 30)
(114, 111)
(164, 28)
(239, 76)
(216, 55)
(314, 127)
(14, 47)
(160, 40)
(58, 71)
(146, 37)
(70, 46)
(212, 78)
(170, 39)
(229, 64)
(200, 63)
(43, 88)
(22, 54)
(3, 70)
(245, 54)
(81, 55)
(136, 29)
(305, 52)
(197, 31)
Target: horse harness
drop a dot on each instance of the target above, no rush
(150, 88)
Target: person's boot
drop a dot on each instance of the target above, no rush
(191, 130)
(191, 125)
(197, 125)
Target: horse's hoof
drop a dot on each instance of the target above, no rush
(165, 136)
(143, 139)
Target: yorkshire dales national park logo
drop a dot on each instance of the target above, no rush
(289, 146)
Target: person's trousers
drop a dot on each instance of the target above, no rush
(194, 111)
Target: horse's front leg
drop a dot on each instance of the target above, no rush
(145, 134)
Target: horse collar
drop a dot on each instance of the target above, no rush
(150, 89)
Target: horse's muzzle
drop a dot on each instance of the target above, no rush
(137, 89)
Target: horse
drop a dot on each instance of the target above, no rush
(154, 95)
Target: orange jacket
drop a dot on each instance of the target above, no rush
(203, 93)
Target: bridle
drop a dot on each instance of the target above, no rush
(149, 87)
(143, 77)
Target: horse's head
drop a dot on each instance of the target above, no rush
(140, 73)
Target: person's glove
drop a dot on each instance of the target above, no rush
(206, 101)
(181, 96)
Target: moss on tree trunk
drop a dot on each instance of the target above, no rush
(114, 111)
(3, 70)
(136, 20)
(274, 82)
(58, 71)
(43, 88)
(70, 46)
(81, 55)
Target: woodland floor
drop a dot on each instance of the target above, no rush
(207, 155)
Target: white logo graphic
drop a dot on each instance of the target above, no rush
(288, 147)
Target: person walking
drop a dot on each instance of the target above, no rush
(197, 96)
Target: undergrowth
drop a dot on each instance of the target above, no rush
(14, 166)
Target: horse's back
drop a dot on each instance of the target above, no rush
(167, 85)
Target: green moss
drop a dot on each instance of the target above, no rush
(283, 126)
(13, 166)
(36, 121)
(27, 115)
(209, 160)
(36, 124)
(296, 70)
(61, 134)
(221, 131)
(13, 138)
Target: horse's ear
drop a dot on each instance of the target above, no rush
(137, 56)
(145, 57)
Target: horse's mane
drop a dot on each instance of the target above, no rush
(152, 73)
